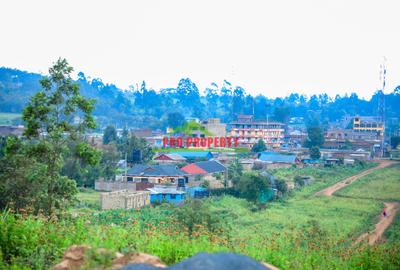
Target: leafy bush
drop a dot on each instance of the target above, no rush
(299, 181)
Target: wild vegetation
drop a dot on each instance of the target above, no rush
(300, 231)
(382, 185)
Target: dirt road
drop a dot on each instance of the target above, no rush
(382, 225)
(332, 189)
(391, 207)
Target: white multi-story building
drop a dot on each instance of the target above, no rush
(249, 131)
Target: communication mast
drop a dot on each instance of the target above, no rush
(381, 101)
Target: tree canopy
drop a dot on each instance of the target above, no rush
(51, 124)
(142, 106)
(259, 146)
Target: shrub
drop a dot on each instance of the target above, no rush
(299, 181)
(281, 186)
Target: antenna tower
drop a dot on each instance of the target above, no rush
(381, 101)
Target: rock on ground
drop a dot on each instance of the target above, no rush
(206, 261)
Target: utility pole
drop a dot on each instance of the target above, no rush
(126, 163)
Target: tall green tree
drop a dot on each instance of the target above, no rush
(109, 160)
(3, 141)
(23, 179)
(175, 119)
(315, 137)
(235, 171)
(259, 146)
(109, 135)
(314, 152)
(395, 141)
(250, 186)
(282, 113)
(49, 118)
(136, 149)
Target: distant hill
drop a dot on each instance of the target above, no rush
(16, 87)
(149, 108)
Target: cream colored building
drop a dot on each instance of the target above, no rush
(368, 124)
(124, 199)
(249, 131)
(215, 126)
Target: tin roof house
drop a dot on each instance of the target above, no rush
(156, 174)
(159, 194)
(204, 167)
(272, 157)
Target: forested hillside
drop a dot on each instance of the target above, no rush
(146, 107)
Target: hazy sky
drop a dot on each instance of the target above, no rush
(270, 47)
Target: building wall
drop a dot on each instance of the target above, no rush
(124, 199)
(338, 138)
(137, 200)
(215, 127)
(150, 179)
(348, 134)
(369, 124)
(250, 133)
(178, 198)
(114, 185)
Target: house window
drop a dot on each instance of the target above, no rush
(173, 196)
(129, 179)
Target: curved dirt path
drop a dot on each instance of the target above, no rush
(381, 226)
(332, 189)
(391, 207)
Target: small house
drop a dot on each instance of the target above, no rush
(348, 162)
(207, 169)
(161, 194)
(311, 162)
(274, 157)
(277, 159)
(329, 162)
(156, 174)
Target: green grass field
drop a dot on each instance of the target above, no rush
(321, 177)
(381, 185)
(89, 198)
(9, 118)
(303, 231)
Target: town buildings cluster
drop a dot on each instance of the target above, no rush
(176, 173)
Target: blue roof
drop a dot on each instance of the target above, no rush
(211, 166)
(196, 154)
(311, 161)
(276, 157)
